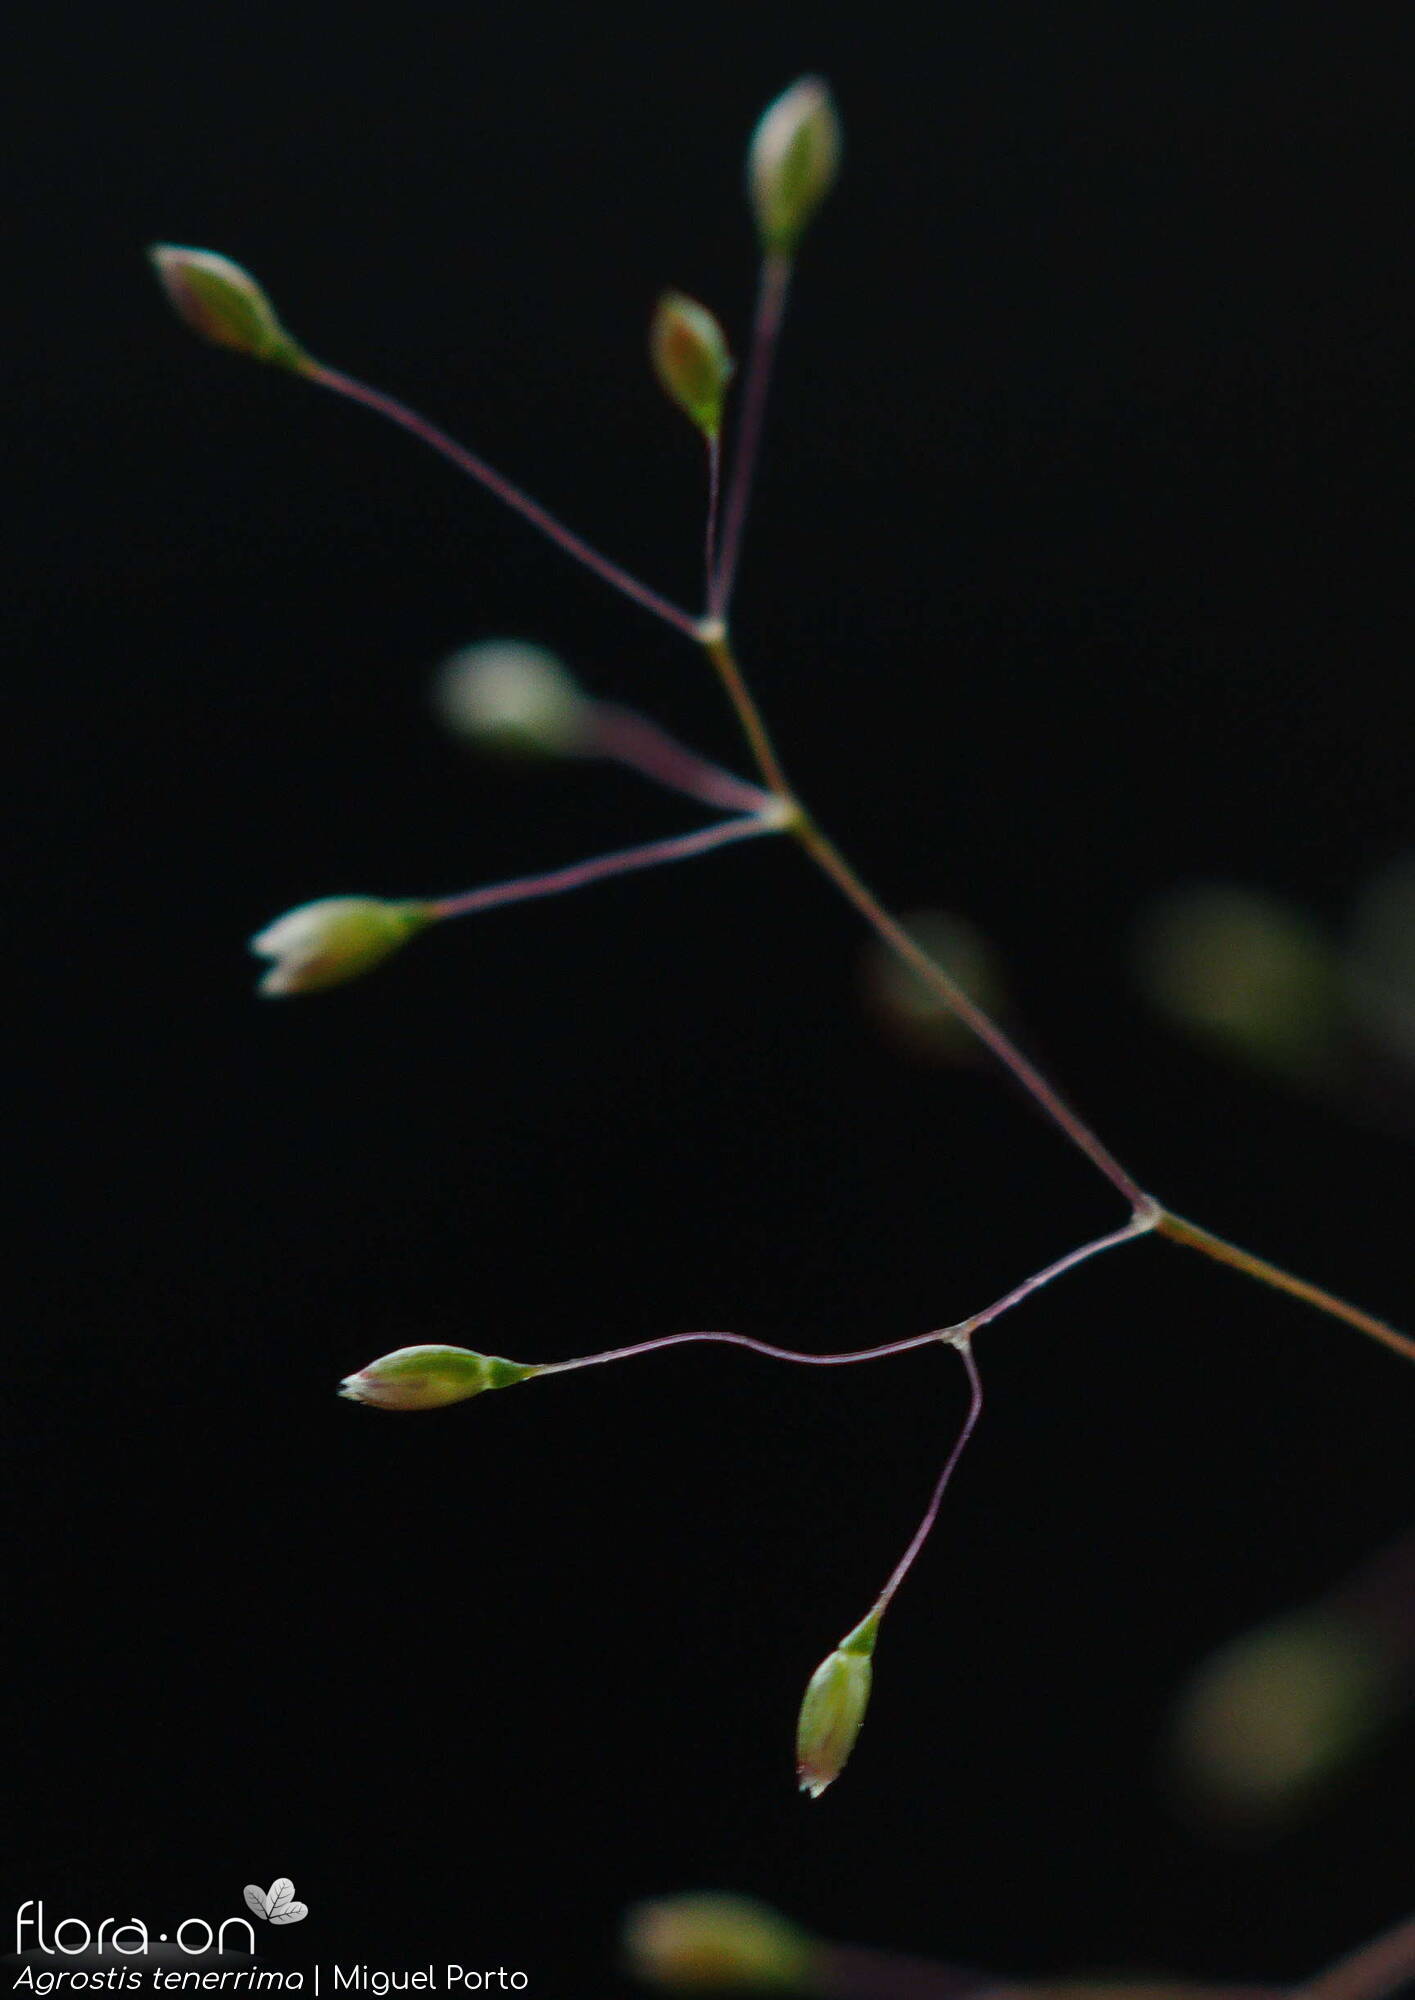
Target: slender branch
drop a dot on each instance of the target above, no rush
(1138, 1225)
(605, 866)
(1195, 1238)
(486, 475)
(715, 643)
(833, 864)
(766, 326)
(772, 1353)
(1048, 1100)
(714, 495)
(629, 738)
(925, 1528)
(1373, 1971)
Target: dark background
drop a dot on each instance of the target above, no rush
(1080, 566)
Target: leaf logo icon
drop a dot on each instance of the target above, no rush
(277, 1905)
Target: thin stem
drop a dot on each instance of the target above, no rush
(1373, 1971)
(832, 863)
(925, 1528)
(663, 1340)
(630, 739)
(766, 326)
(1047, 1099)
(715, 643)
(485, 475)
(1137, 1226)
(714, 494)
(605, 866)
(1140, 1224)
(1222, 1252)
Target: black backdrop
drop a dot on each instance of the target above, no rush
(1080, 566)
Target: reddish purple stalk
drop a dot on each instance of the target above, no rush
(766, 328)
(926, 1526)
(1137, 1226)
(714, 496)
(959, 1336)
(631, 739)
(503, 489)
(525, 888)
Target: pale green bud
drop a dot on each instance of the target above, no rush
(837, 1695)
(511, 696)
(713, 1943)
(428, 1378)
(323, 944)
(792, 162)
(691, 359)
(1275, 1713)
(1246, 970)
(224, 304)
